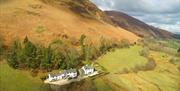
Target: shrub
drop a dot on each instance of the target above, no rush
(178, 51)
(34, 72)
(178, 68)
(83, 46)
(144, 52)
(74, 41)
(40, 29)
(124, 43)
(125, 71)
(47, 59)
(71, 58)
(13, 57)
(104, 46)
(174, 61)
(94, 52)
(65, 55)
(30, 53)
(1, 48)
(150, 65)
(43, 77)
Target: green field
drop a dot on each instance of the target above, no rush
(165, 76)
(121, 59)
(171, 43)
(101, 85)
(16, 80)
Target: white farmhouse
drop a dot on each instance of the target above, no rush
(87, 70)
(72, 73)
(56, 76)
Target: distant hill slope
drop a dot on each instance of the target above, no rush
(177, 36)
(45, 20)
(136, 26)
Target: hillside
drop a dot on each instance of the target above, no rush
(177, 36)
(136, 26)
(45, 20)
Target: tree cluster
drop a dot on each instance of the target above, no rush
(58, 55)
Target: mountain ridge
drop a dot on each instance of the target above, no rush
(136, 26)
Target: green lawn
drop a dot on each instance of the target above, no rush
(122, 58)
(16, 80)
(171, 43)
(101, 85)
(164, 77)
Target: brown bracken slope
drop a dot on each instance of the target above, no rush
(45, 20)
(136, 26)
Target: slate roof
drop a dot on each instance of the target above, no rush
(88, 67)
(64, 72)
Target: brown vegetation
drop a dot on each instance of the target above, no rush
(46, 20)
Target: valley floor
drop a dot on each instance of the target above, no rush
(120, 64)
(17, 80)
(164, 77)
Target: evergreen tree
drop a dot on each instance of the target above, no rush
(47, 58)
(72, 58)
(13, 58)
(30, 53)
(83, 46)
(29, 48)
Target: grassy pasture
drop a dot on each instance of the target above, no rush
(101, 85)
(121, 59)
(16, 80)
(165, 76)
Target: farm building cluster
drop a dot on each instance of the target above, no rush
(71, 73)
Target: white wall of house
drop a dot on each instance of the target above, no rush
(72, 74)
(87, 71)
(55, 77)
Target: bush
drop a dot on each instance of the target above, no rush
(46, 62)
(124, 43)
(83, 46)
(144, 52)
(125, 71)
(13, 57)
(174, 61)
(94, 52)
(1, 48)
(105, 46)
(178, 68)
(1, 45)
(178, 51)
(71, 58)
(150, 65)
(40, 29)
(34, 72)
